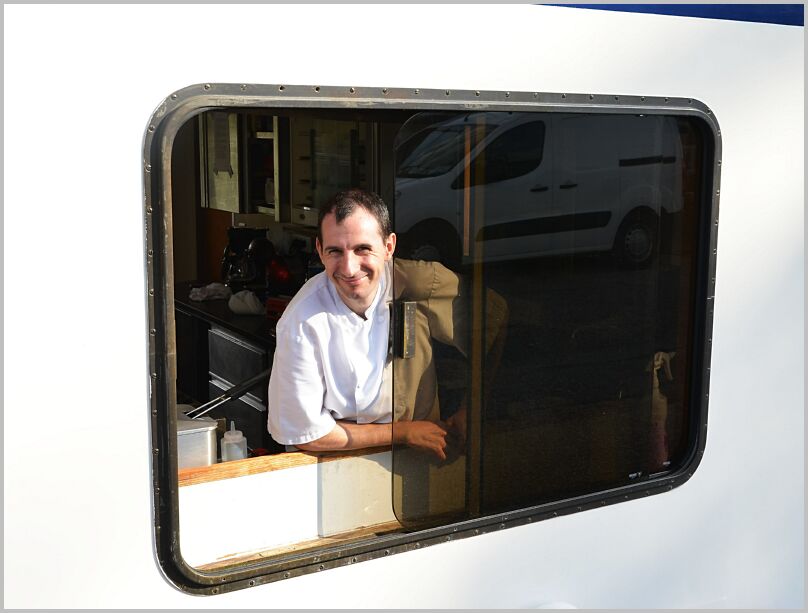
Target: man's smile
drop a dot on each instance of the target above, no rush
(352, 281)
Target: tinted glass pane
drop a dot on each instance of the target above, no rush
(561, 346)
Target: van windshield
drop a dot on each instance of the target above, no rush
(433, 151)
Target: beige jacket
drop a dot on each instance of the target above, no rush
(443, 313)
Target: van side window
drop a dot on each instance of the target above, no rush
(513, 154)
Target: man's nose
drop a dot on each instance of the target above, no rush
(349, 265)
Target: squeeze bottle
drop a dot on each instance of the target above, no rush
(234, 445)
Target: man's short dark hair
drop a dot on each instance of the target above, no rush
(344, 203)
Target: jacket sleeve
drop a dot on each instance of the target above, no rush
(295, 411)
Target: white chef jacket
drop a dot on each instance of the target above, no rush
(329, 364)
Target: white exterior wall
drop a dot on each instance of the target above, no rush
(80, 85)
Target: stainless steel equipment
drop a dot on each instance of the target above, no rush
(196, 440)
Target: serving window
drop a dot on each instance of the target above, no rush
(555, 303)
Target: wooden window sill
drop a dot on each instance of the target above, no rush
(305, 546)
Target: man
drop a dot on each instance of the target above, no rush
(330, 387)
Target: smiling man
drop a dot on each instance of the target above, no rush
(331, 383)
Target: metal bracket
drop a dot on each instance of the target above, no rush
(406, 330)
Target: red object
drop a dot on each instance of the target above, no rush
(278, 272)
(275, 307)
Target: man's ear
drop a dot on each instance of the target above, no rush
(390, 245)
(319, 249)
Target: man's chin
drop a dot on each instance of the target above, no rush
(353, 299)
(355, 290)
(357, 296)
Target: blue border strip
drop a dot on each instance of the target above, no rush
(782, 14)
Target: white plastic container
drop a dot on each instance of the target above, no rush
(234, 445)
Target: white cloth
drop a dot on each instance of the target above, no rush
(329, 364)
(212, 291)
(246, 302)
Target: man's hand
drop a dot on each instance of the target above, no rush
(425, 435)
(457, 424)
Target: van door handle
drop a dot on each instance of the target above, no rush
(539, 188)
(567, 185)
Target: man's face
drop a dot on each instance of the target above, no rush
(354, 253)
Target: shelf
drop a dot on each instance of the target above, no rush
(262, 190)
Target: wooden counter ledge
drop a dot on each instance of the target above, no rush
(267, 463)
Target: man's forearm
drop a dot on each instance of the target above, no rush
(347, 436)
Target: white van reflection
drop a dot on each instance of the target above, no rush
(537, 184)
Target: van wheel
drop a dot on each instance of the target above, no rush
(432, 244)
(637, 240)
